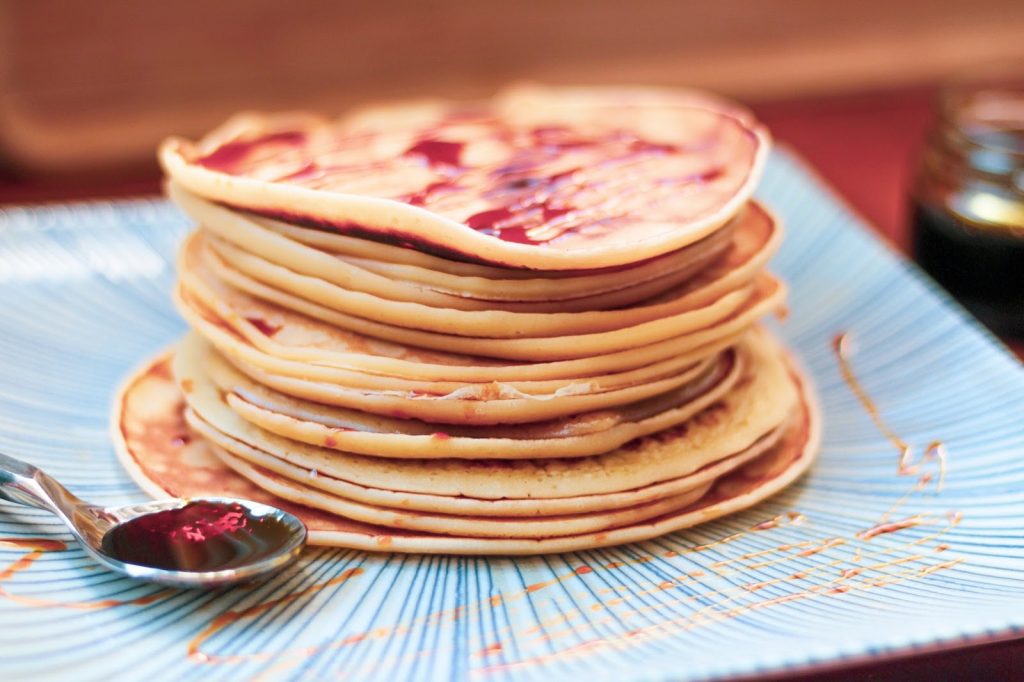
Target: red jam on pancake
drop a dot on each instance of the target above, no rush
(496, 182)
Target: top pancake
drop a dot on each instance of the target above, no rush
(536, 178)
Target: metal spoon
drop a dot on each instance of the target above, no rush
(25, 484)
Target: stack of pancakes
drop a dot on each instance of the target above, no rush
(517, 326)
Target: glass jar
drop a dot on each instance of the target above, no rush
(968, 197)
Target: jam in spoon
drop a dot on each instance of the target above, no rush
(205, 542)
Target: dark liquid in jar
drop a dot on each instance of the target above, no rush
(967, 207)
(200, 536)
(983, 267)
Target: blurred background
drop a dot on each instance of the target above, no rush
(87, 89)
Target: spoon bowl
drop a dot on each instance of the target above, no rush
(208, 542)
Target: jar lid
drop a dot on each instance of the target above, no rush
(982, 113)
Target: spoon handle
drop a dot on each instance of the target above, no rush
(25, 484)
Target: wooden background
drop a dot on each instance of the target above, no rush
(91, 85)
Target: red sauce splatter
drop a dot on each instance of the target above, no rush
(308, 170)
(934, 451)
(230, 154)
(831, 542)
(890, 527)
(486, 220)
(754, 587)
(707, 176)
(437, 152)
(516, 225)
(265, 327)
(229, 617)
(421, 197)
(34, 544)
(491, 650)
(639, 145)
(766, 525)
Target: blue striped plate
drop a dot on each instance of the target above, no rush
(859, 560)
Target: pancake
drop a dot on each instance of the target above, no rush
(757, 405)
(744, 251)
(438, 177)
(478, 405)
(518, 326)
(155, 446)
(318, 277)
(462, 504)
(238, 349)
(733, 311)
(691, 306)
(460, 525)
(494, 283)
(329, 257)
(234, 321)
(210, 381)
